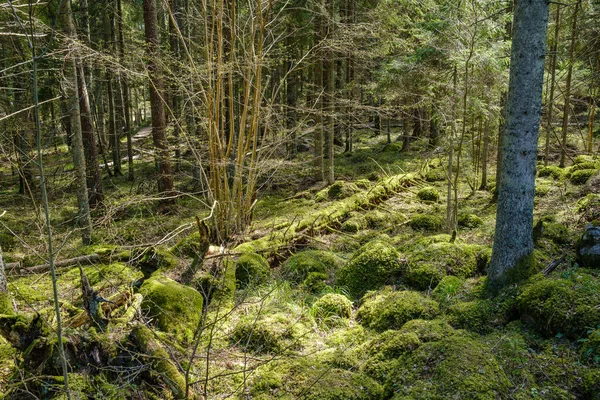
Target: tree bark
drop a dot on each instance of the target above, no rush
(554, 55)
(512, 254)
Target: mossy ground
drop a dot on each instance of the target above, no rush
(427, 330)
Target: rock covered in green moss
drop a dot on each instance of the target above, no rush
(435, 175)
(428, 330)
(591, 347)
(156, 258)
(252, 268)
(556, 304)
(173, 307)
(478, 316)
(382, 351)
(428, 193)
(469, 221)
(581, 176)
(297, 267)
(556, 232)
(551, 171)
(331, 308)
(338, 190)
(389, 309)
(309, 379)
(588, 247)
(455, 367)
(373, 265)
(447, 289)
(426, 222)
(428, 265)
(267, 333)
(354, 224)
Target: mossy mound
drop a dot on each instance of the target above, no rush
(583, 165)
(173, 307)
(297, 267)
(551, 171)
(428, 265)
(267, 333)
(338, 190)
(456, 367)
(556, 232)
(380, 219)
(252, 268)
(391, 309)
(565, 305)
(315, 282)
(583, 158)
(426, 222)
(435, 175)
(372, 266)
(331, 308)
(354, 224)
(478, 316)
(189, 246)
(428, 194)
(591, 347)
(589, 207)
(382, 351)
(428, 330)
(581, 176)
(307, 378)
(469, 221)
(156, 258)
(447, 289)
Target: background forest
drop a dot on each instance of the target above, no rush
(268, 199)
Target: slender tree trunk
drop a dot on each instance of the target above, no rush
(330, 95)
(5, 303)
(319, 128)
(486, 145)
(451, 219)
(159, 135)
(554, 56)
(512, 254)
(565, 121)
(125, 93)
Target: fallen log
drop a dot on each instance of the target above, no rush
(36, 269)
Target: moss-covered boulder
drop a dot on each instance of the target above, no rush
(252, 268)
(588, 247)
(332, 308)
(426, 222)
(267, 333)
(447, 289)
(478, 315)
(156, 258)
(581, 176)
(551, 171)
(428, 330)
(435, 175)
(297, 267)
(373, 265)
(384, 349)
(469, 221)
(428, 194)
(456, 367)
(307, 378)
(389, 309)
(338, 190)
(566, 305)
(554, 231)
(173, 307)
(354, 224)
(428, 265)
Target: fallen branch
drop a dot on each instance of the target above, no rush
(553, 265)
(88, 259)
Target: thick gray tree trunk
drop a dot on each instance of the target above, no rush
(512, 255)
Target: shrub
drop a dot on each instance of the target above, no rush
(331, 308)
(392, 309)
(252, 268)
(373, 265)
(428, 194)
(426, 222)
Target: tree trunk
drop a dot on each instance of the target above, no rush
(512, 254)
(318, 75)
(330, 96)
(159, 134)
(565, 121)
(554, 55)
(125, 92)
(5, 303)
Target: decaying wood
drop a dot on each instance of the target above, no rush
(553, 265)
(115, 301)
(87, 259)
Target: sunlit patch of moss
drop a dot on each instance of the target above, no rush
(428, 194)
(581, 176)
(253, 269)
(332, 309)
(297, 267)
(426, 222)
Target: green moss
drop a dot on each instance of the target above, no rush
(556, 232)
(428, 194)
(354, 224)
(583, 158)
(188, 246)
(384, 349)
(174, 308)
(315, 282)
(591, 347)
(581, 176)
(435, 175)
(423, 275)
(552, 171)
(253, 269)
(428, 330)
(331, 308)
(7, 241)
(273, 333)
(426, 222)
(297, 267)
(582, 166)
(338, 190)
(390, 309)
(373, 265)
(469, 221)
(566, 305)
(447, 289)
(591, 384)
(477, 316)
(456, 367)
(157, 258)
(308, 379)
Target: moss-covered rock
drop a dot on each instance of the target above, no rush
(426, 222)
(448, 289)
(556, 232)
(469, 221)
(309, 379)
(173, 307)
(582, 166)
(423, 275)
(252, 269)
(566, 305)
(551, 171)
(315, 282)
(428, 194)
(435, 175)
(266, 333)
(588, 247)
(581, 176)
(354, 224)
(373, 265)
(583, 158)
(428, 330)
(591, 347)
(456, 367)
(156, 258)
(338, 190)
(297, 267)
(477, 316)
(391, 309)
(331, 308)
(384, 349)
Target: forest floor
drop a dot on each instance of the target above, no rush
(351, 291)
